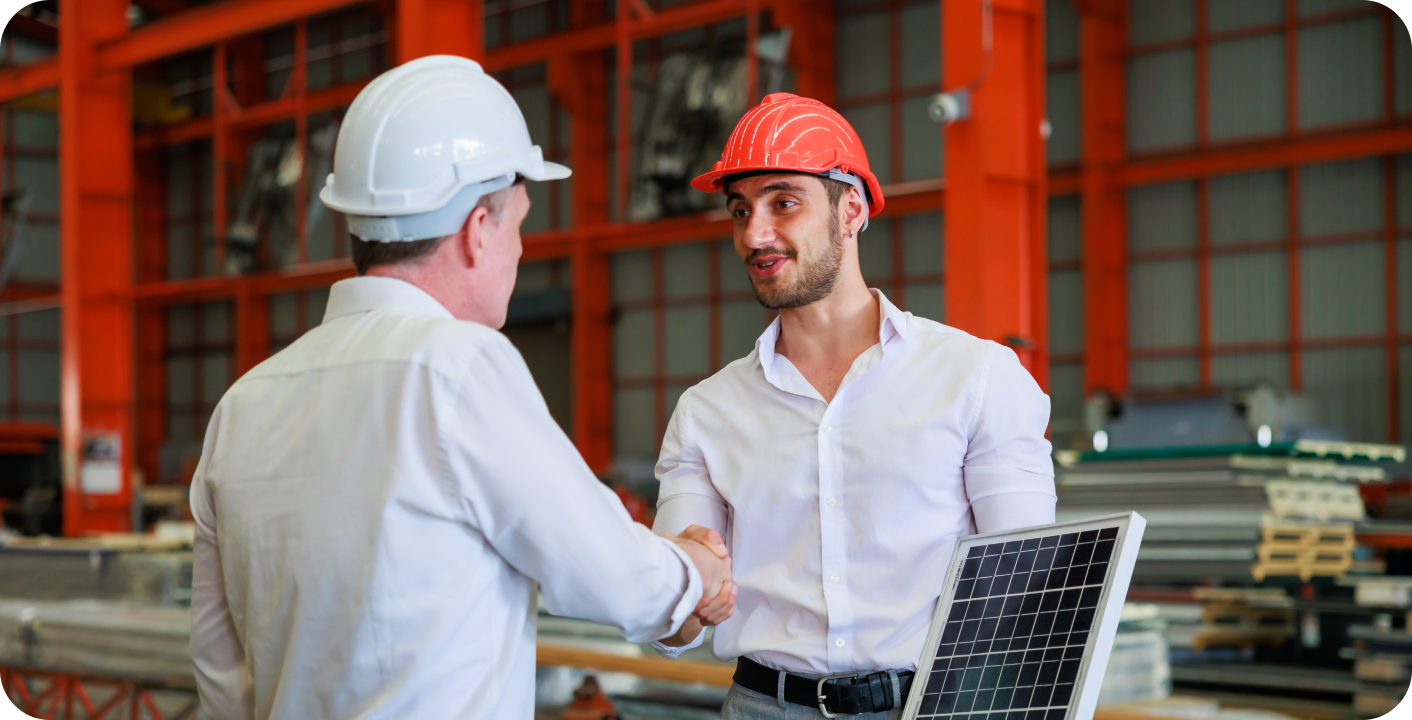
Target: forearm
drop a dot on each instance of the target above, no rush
(222, 678)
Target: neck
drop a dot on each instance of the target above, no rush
(839, 327)
(429, 278)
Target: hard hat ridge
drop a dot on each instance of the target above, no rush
(422, 143)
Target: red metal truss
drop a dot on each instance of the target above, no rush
(68, 696)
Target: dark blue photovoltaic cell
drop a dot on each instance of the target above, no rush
(1015, 633)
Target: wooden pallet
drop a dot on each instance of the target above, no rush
(1305, 563)
(1331, 537)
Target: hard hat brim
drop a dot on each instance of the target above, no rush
(551, 171)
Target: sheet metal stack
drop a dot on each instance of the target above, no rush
(96, 637)
(1208, 508)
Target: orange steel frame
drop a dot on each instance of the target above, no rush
(994, 193)
(64, 696)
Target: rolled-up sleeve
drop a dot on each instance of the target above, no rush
(527, 489)
(1007, 453)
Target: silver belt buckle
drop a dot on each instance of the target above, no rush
(819, 691)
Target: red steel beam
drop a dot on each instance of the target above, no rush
(439, 27)
(205, 25)
(1388, 140)
(96, 193)
(28, 79)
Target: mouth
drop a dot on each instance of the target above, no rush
(766, 267)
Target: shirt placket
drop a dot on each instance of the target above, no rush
(833, 532)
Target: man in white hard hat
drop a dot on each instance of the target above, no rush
(375, 503)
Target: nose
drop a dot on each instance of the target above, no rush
(759, 230)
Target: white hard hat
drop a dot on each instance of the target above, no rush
(422, 143)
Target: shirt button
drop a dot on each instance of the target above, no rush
(831, 502)
(828, 428)
(838, 642)
(834, 578)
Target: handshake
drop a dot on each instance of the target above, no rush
(712, 559)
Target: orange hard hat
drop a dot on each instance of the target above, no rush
(788, 133)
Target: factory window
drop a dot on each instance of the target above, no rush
(538, 324)
(1230, 288)
(549, 128)
(1061, 46)
(29, 341)
(191, 248)
(889, 66)
(1066, 322)
(345, 47)
(200, 366)
(1204, 72)
(508, 21)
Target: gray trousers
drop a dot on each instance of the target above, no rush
(743, 704)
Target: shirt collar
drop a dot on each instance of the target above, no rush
(892, 324)
(366, 294)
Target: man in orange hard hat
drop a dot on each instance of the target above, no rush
(843, 457)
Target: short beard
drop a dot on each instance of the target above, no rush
(816, 280)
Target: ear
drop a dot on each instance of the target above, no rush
(473, 237)
(855, 211)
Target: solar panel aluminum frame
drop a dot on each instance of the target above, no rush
(1110, 604)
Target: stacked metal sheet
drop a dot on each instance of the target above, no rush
(1204, 512)
(95, 637)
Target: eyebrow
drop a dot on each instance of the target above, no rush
(776, 186)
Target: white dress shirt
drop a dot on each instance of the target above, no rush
(841, 516)
(374, 505)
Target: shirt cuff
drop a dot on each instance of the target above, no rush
(672, 653)
(691, 594)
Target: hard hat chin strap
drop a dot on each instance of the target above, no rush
(437, 223)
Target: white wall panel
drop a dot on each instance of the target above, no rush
(1162, 303)
(1350, 385)
(922, 244)
(633, 338)
(1162, 100)
(1066, 311)
(1061, 31)
(1157, 20)
(1343, 290)
(1340, 72)
(1062, 102)
(632, 276)
(1249, 297)
(1065, 228)
(923, 151)
(1163, 373)
(927, 300)
(1404, 285)
(921, 43)
(1246, 87)
(1249, 207)
(873, 125)
(1248, 369)
(688, 335)
(1341, 197)
(1233, 14)
(1162, 216)
(634, 432)
(741, 325)
(862, 59)
(684, 270)
(1401, 68)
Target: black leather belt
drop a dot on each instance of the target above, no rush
(832, 695)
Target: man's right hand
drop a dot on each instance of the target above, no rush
(709, 554)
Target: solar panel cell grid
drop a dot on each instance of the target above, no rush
(1020, 617)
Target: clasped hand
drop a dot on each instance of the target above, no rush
(709, 554)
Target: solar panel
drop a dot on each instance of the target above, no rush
(1026, 621)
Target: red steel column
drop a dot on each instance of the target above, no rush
(580, 83)
(151, 248)
(95, 190)
(1105, 250)
(440, 27)
(997, 279)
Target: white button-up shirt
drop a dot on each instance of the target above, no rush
(841, 516)
(374, 505)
